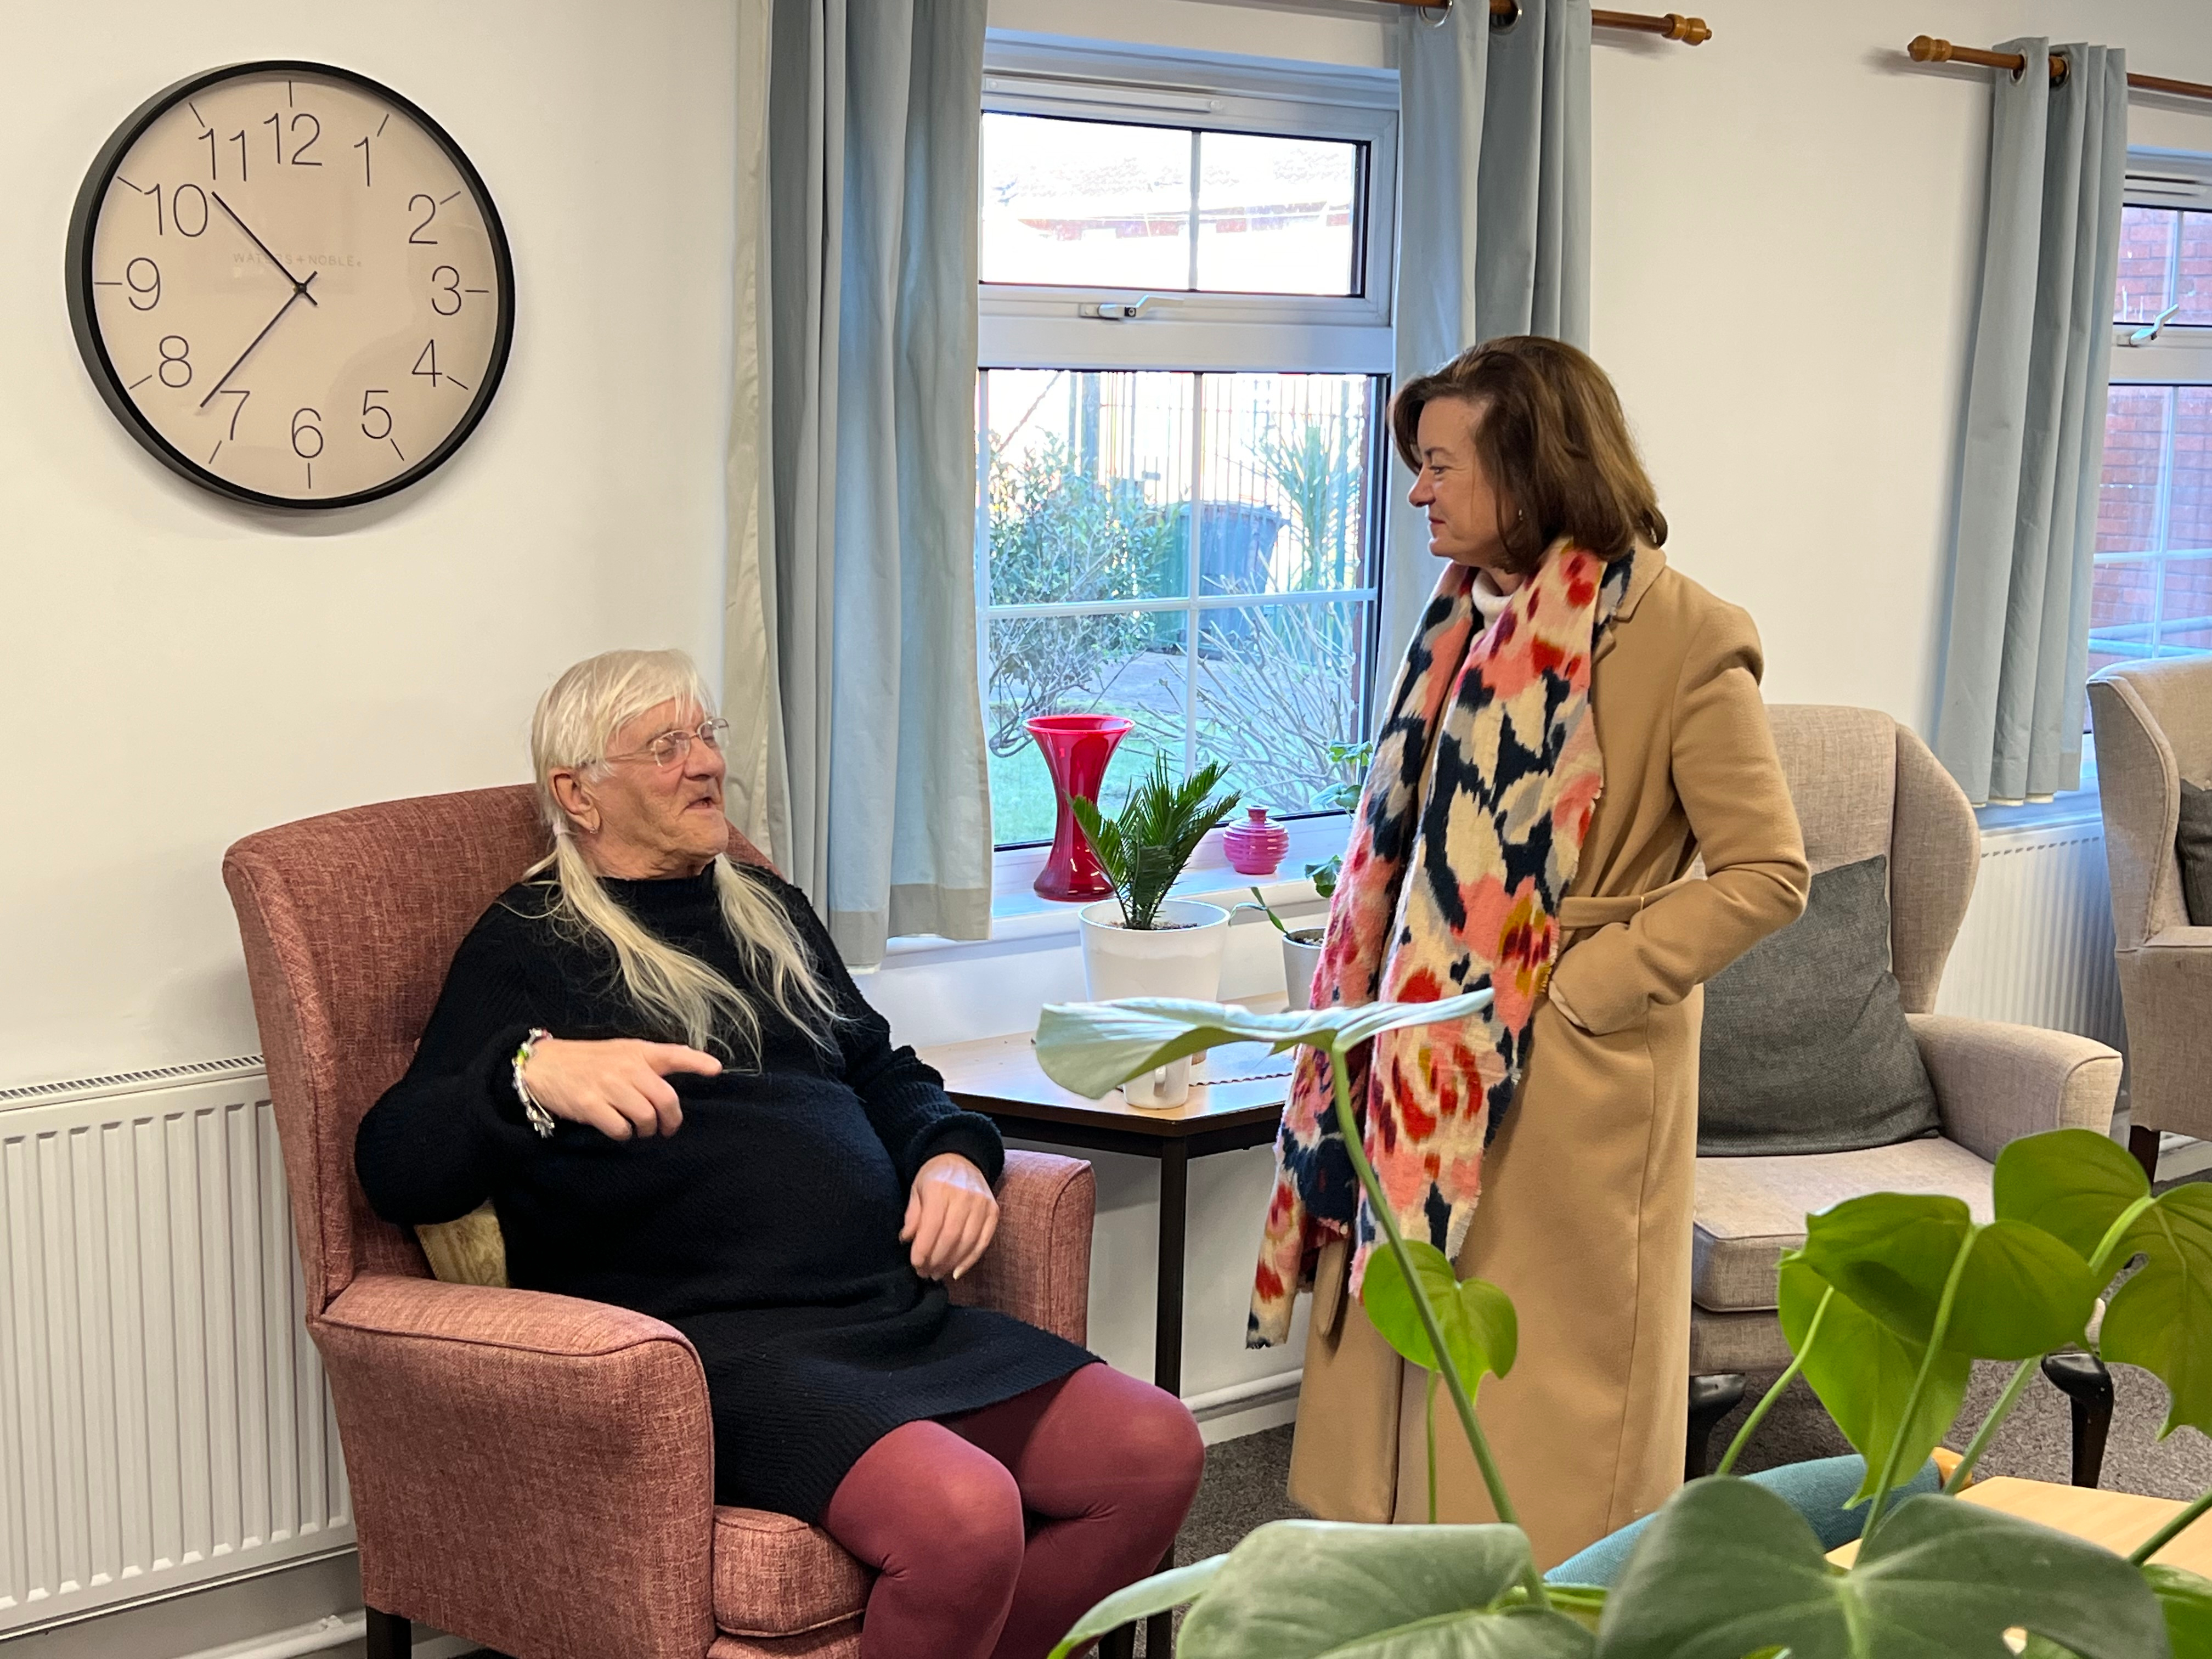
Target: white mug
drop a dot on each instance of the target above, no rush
(1165, 1085)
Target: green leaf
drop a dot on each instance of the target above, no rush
(2024, 1292)
(1727, 1568)
(1864, 1371)
(1092, 1047)
(2187, 1600)
(1158, 1593)
(1297, 1590)
(1480, 1329)
(2073, 1183)
(2161, 1318)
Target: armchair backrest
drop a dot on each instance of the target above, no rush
(349, 922)
(1865, 785)
(2154, 723)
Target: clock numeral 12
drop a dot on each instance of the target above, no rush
(277, 139)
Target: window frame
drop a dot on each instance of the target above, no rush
(1056, 327)
(2180, 356)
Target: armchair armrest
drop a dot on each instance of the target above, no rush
(1994, 1083)
(1038, 1266)
(498, 1440)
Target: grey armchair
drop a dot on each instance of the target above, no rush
(1863, 785)
(2153, 723)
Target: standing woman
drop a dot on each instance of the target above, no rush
(1575, 727)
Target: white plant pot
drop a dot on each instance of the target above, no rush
(1182, 959)
(1301, 960)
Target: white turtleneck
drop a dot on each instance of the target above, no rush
(1489, 598)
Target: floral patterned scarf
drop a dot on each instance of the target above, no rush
(1469, 829)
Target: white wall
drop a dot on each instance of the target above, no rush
(180, 670)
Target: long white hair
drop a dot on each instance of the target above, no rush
(680, 995)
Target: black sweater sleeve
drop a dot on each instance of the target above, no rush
(903, 1095)
(433, 1146)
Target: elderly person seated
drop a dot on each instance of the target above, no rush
(653, 1063)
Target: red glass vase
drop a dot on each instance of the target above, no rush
(1076, 748)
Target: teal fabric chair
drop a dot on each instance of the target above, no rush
(1818, 1491)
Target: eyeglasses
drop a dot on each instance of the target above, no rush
(674, 748)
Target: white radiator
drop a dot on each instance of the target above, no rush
(2036, 945)
(163, 1416)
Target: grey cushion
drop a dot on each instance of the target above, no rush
(1805, 1046)
(2192, 844)
(1750, 1210)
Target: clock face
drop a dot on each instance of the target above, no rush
(290, 285)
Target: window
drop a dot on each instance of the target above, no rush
(1185, 349)
(2153, 595)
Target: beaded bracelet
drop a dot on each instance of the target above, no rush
(540, 1118)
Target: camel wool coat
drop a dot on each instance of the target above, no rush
(1587, 1190)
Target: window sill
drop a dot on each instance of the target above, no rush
(2072, 806)
(1018, 913)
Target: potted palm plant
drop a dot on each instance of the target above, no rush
(1141, 942)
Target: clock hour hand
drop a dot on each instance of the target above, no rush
(298, 293)
(298, 287)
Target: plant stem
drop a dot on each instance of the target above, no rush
(2100, 1263)
(1988, 1432)
(2171, 1530)
(1766, 1401)
(1942, 1328)
(1500, 1501)
(1432, 1448)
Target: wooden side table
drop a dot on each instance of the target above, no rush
(2117, 1520)
(1235, 1102)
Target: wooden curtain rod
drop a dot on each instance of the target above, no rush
(1690, 31)
(1926, 49)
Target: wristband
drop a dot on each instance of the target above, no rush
(540, 1118)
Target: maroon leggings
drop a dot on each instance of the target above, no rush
(992, 1532)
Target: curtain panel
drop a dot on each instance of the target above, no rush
(1494, 218)
(853, 503)
(2032, 443)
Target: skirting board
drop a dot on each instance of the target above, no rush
(1231, 1413)
(308, 1607)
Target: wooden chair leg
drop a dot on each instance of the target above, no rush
(1711, 1398)
(389, 1637)
(2143, 1141)
(2082, 1378)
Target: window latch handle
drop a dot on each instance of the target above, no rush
(2145, 335)
(1118, 311)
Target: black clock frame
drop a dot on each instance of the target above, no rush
(78, 280)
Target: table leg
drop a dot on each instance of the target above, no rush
(1167, 1332)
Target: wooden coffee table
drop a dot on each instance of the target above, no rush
(2117, 1520)
(1235, 1102)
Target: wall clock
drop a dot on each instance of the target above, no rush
(290, 285)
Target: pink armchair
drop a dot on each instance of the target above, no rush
(531, 1472)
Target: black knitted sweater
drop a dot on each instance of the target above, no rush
(766, 1229)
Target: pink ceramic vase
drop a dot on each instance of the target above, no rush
(1256, 846)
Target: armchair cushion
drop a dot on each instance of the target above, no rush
(2192, 844)
(776, 1576)
(1751, 1210)
(1805, 1049)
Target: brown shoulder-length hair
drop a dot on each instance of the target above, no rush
(1550, 432)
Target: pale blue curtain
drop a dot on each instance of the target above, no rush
(1493, 217)
(869, 307)
(2009, 725)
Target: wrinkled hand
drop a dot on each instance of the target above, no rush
(950, 1217)
(618, 1087)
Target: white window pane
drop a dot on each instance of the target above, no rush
(1090, 204)
(1278, 698)
(1277, 215)
(1284, 503)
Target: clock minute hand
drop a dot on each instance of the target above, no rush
(297, 294)
(298, 287)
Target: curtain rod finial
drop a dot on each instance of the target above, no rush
(1690, 31)
(1926, 49)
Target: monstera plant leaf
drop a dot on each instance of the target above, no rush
(1728, 1568)
(2022, 1292)
(2073, 1183)
(1863, 1372)
(1480, 1330)
(1298, 1589)
(2187, 1600)
(1161, 1593)
(2161, 1318)
(1093, 1047)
